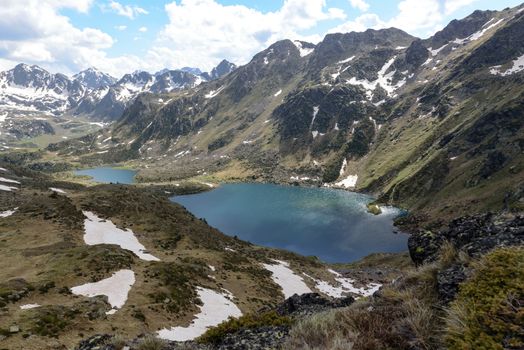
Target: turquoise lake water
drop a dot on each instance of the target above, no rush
(107, 175)
(333, 225)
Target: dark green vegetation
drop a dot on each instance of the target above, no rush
(254, 320)
(488, 312)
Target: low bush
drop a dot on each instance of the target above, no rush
(488, 312)
(233, 325)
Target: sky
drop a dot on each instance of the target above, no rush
(121, 36)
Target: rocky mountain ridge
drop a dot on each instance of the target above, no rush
(90, 93)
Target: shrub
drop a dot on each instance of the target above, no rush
(328, 330)
(233, 325)
(489, 310)
(118, 342)
(151, 342)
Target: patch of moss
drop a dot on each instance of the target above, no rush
(249, 321)
(489, 310)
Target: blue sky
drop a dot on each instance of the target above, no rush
(120, 36)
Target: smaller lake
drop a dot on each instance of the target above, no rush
(107, 175)
(333, 225)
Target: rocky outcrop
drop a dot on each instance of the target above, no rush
(474, 235)
(471, 235)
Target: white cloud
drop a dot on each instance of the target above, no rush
(121, 28)
(142, 29)
(43, 36)
(453, 5)
(202, 32)
(129, 11)
(417, 17)
(360, 24)
(359, 4)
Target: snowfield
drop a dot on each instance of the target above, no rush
(215, 309)
(287, 279)
(100, 231)
(115, 288)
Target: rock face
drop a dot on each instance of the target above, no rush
(472, 235)
(225, 67)
(310, 303)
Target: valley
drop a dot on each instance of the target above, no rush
(362, 192)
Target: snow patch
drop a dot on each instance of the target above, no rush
(349, 59)
(278, 93)
(29, 306)
(315, 112)
(115, 288)
(428, 61)
(216, 308)
(343, 167)
(7, 188)
(346, 286)
(383, 80)
(303, 51)
(3, 179)
(4, 214)
(348, 182)
(214, 93)
(290, 283)
(57, 190)
(517, 66)
(100, 231)
(480, 33)
(436, 51)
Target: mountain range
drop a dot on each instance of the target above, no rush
(415, 122)
(91, 93)
(377, 111)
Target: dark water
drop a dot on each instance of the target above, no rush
(107, 175)
(333, 225)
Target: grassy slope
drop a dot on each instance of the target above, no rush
(43, 255)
